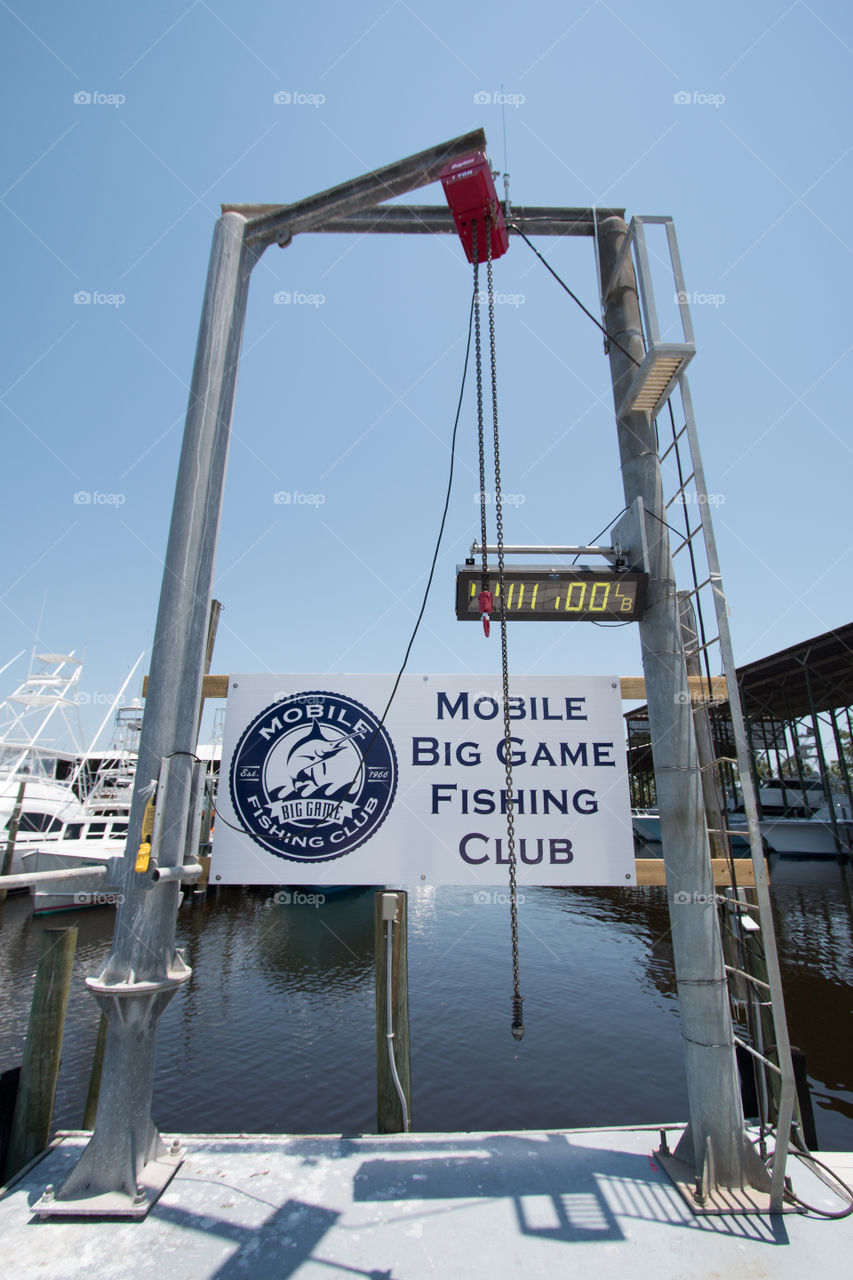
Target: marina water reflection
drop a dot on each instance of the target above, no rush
(275, 1030)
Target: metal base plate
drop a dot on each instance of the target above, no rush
(719, 1199)
(153, 1181)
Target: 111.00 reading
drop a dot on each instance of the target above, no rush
(566, 594)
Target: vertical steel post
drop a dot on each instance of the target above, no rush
(143, 970)
(715, 1139)
(842, 762)
(711, 790)
(826, 781)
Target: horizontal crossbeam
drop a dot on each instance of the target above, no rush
(633, 688)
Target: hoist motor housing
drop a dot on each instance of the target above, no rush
(470, 191)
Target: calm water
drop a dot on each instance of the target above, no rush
(275, 1030)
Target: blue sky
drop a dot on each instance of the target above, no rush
(348, 395)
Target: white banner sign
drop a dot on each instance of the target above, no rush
(314, 790)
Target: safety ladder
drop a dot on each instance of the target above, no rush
(752, 964)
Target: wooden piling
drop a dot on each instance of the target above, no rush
(8, 854)
(388, 1108)
(31, 1123)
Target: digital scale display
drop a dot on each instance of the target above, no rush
(546, 594)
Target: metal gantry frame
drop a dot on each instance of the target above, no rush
(126, 1162)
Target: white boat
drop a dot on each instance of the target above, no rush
(58, 813)
(72, 854)
(795, 820)
(100, 837)
(812, 836)
(47, 809)
(48, 801)
(81, 820)
(646, 824)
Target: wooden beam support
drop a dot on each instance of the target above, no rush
(651, 871)
(633, 688)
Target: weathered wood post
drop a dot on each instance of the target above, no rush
(392, 987)
(42, 1050)
(14, 822)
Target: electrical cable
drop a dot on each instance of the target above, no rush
(609, 336)
(671, 527)
(430, 576)
(607, 626)
(823, 1213)
(389, 1016)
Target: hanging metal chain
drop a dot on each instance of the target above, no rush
(517, 998)
(484, 584)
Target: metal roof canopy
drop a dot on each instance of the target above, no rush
(777, 687)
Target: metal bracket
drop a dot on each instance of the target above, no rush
(629, 537)
(704, 1195)
(609, 553)
(151, 1182)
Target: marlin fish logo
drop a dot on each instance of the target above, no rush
(313, 776)
(308, 764)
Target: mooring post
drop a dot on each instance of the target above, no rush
(143, 970)
(42, 1050)
(391, 913)
(9, 851)
(715, 1136)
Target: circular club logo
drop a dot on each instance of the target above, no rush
(313, 777)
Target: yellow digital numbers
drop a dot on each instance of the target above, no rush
(569, 594)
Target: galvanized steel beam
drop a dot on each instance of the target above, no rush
(715, 1138)
(143, 970)
(280, 224)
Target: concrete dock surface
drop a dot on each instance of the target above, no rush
(532, 1204)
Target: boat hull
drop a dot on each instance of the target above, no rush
(82, 891)
(807, 836)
